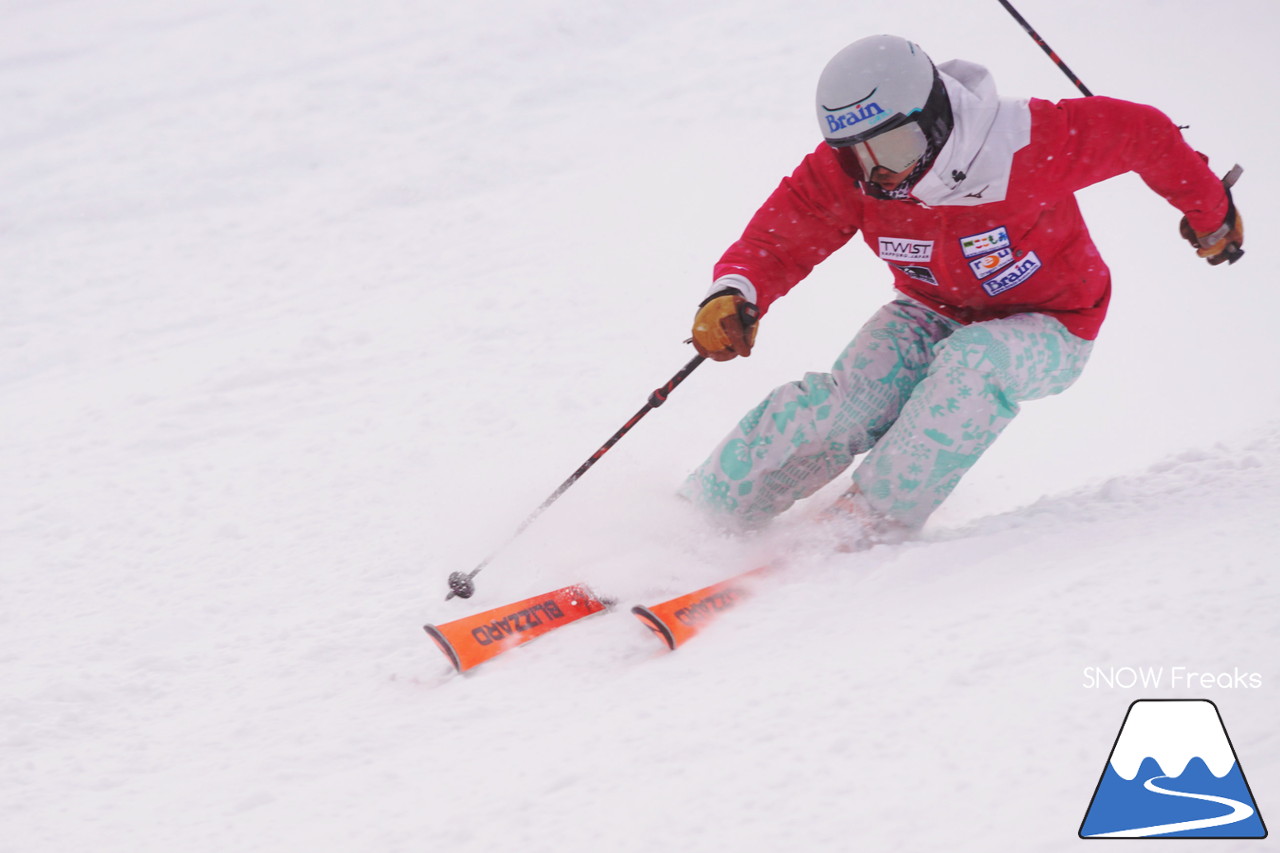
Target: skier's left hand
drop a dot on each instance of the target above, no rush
(1220, 245)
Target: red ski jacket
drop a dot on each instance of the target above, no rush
(993, 229)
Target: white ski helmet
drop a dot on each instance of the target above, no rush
(882, 97)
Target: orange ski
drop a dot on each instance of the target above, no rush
(677, 620)
(472, 640)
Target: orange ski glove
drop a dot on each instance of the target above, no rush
(725, 326)
(1222, 244)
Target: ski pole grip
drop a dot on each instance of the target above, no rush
(1232, 252)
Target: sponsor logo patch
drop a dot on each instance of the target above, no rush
(985, 243)
(903, 249)
(1010, 279)
(919, 273)
(987, 264)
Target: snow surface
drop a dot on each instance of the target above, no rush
(307, 305)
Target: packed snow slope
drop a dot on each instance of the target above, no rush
(307, 305)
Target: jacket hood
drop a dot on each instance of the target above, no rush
(973, 166)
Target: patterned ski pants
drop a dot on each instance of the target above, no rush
(924, 394)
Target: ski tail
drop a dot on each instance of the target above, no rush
(677, 620)
(472, 640)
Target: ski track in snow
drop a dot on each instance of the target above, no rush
(305, 308)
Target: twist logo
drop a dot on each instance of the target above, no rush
(905, 249)
(1173, 773)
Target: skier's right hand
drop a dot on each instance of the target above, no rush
(725, 326)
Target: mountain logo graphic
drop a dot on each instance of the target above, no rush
(1173, 773)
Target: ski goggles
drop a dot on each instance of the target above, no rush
(896, 149)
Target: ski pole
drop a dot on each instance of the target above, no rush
(1045, 47)
(1233, 252)
(462, 584)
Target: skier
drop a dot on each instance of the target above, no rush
(969, 198)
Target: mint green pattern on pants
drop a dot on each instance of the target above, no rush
(922, 395)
